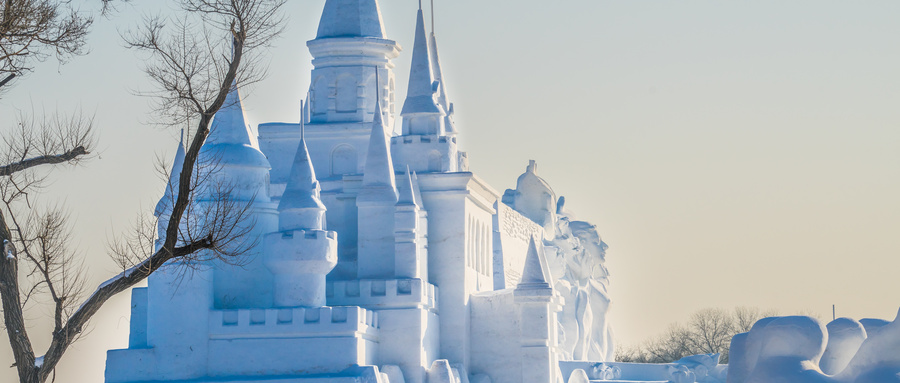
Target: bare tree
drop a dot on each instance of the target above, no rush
(194, 73)
(709, 331)
(33, 30)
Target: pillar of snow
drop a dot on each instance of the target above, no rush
(537, 310)
(301, 253)
(408, 257)
(377, 202)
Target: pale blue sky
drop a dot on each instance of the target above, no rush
(740, 153)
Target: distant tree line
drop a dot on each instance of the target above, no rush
(708, 331)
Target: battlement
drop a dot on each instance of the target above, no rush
(416, 139)
(292, 322)
(380, 294)
(308, 235)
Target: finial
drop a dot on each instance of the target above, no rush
(378, 91)
(420, 5)
(432, 17)
(182, 136)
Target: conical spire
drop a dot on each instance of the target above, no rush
(351, 18)
(229, 126)
(420, 94)
(408, 193)
(378, 176)
(533, 275)
(302, 189)
(442, 98)
(165, 203)
(417, 190)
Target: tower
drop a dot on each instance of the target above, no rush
(348, 50)
(232, 168)
(537, 309)
(410, 257)
(376, 203)
(427, 143)
(301, 253)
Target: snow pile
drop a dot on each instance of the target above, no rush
(800, 349)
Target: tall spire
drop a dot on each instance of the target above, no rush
(351, 18)
(417, 190)
(420, 94)
(229, 126)
(166, 202)
(300, 206)
(442, 98)
(378, 176)
(408, 192)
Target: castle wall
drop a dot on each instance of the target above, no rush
(495, 337)
(451, 199)
(320, 340)
(511, 234)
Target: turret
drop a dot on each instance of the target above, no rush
(537, 307)
(349, 48)
(442, 99)
(231, 156)
(301, 253)
(421, 113)
(376, 202)
(234, 175)
(426, 144)
(301, 206)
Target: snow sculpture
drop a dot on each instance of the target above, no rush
(576, 257)
(793, 349)
(380, 257)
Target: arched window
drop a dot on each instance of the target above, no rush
(347, 94)
(391, 91)
(434, 161)
(343, 160)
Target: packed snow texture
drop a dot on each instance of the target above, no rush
(576, 258)
(799, 349)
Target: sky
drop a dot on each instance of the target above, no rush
(740, 153)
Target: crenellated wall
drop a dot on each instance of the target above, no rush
(381, 294)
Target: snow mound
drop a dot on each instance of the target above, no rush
(845, 335)
(800, 349)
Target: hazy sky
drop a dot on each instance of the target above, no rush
(740, 153)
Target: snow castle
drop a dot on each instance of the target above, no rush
(379, 257)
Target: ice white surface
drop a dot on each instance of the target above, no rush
(793, 350)
(845, 335)
(373, 250)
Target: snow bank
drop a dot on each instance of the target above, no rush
(800, 349)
